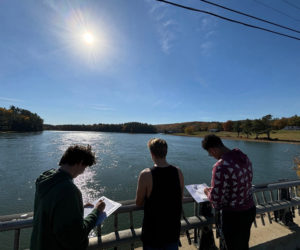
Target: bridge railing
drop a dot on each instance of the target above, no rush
(276, 200)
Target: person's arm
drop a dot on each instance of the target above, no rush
(216, 192)
(88, 221)
(181, 179)
(207, 191)
(142, 187)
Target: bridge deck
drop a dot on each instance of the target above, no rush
(273, 236)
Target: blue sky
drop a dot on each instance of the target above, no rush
(147, 61)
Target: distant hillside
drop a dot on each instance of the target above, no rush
(179, 127)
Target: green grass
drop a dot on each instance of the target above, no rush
(280, 135)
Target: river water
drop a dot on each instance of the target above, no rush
(120, 158)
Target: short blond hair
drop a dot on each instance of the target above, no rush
(158, 147)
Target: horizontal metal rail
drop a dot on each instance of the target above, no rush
(266, 196)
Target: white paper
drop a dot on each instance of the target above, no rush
(197, 192)
(110, 207)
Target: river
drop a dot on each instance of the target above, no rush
(120, 158)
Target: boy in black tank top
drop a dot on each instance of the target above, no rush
(160, 191)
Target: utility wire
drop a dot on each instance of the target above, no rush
(248, 15)
(291, 4)
(228, 19)
(279, 11)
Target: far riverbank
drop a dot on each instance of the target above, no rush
(279, 136)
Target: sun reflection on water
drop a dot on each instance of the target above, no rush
(88, 183)
(85, 182)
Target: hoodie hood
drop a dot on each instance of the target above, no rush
(237, 156)
(47, 180)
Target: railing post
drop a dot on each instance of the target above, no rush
(17, 239)
(116, 226)
(206, 236)
(285, 215)
(99, 234)
(131, 227)
(196, 213)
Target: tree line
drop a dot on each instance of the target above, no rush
(21, 120)
(263, 125)
(257, 127)
(130, 127)
(17, 119)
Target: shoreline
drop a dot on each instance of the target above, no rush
(182, 134)
(243, 139)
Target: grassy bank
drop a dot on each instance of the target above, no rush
(276, 136)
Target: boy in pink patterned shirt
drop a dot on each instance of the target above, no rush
(230, 192)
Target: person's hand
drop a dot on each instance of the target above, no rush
(88, 205)
(100, 205)
(207, 190)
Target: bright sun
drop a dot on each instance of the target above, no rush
(89, 38)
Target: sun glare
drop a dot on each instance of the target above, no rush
(89, 38)
(84, 35)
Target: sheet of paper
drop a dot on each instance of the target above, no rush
(197, 192)
(110, 207)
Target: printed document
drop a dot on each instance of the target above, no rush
(197, 192)
(110, 207)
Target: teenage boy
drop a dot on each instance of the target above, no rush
(230, 192)
(58, 209)
(160, 191)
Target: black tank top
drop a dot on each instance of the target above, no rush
(162, 210)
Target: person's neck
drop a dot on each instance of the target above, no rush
(160, 162)
(67, 168)
(223, 150)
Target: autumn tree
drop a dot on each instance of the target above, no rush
(247, 127)
(279, 123)
(294, 121)
(228, 126)
(258, 127)
(267, 123)
(189, 130)
(237, 127)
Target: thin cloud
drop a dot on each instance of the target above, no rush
(154, 6)
(207, 28)
(169, 23)
(102, 108)
(167, 27)
(167, 38)
(206, 47)
(5, 99)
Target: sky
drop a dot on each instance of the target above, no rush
(116, 61)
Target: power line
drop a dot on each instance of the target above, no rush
(248, 15)
(279, 11)
(291, 4)
(228, 19)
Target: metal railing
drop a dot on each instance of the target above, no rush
(17, 222)
(268, 198)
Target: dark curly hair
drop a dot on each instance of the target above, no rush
(78, 154)
(212, 141)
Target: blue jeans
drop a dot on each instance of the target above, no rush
(170, 246)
